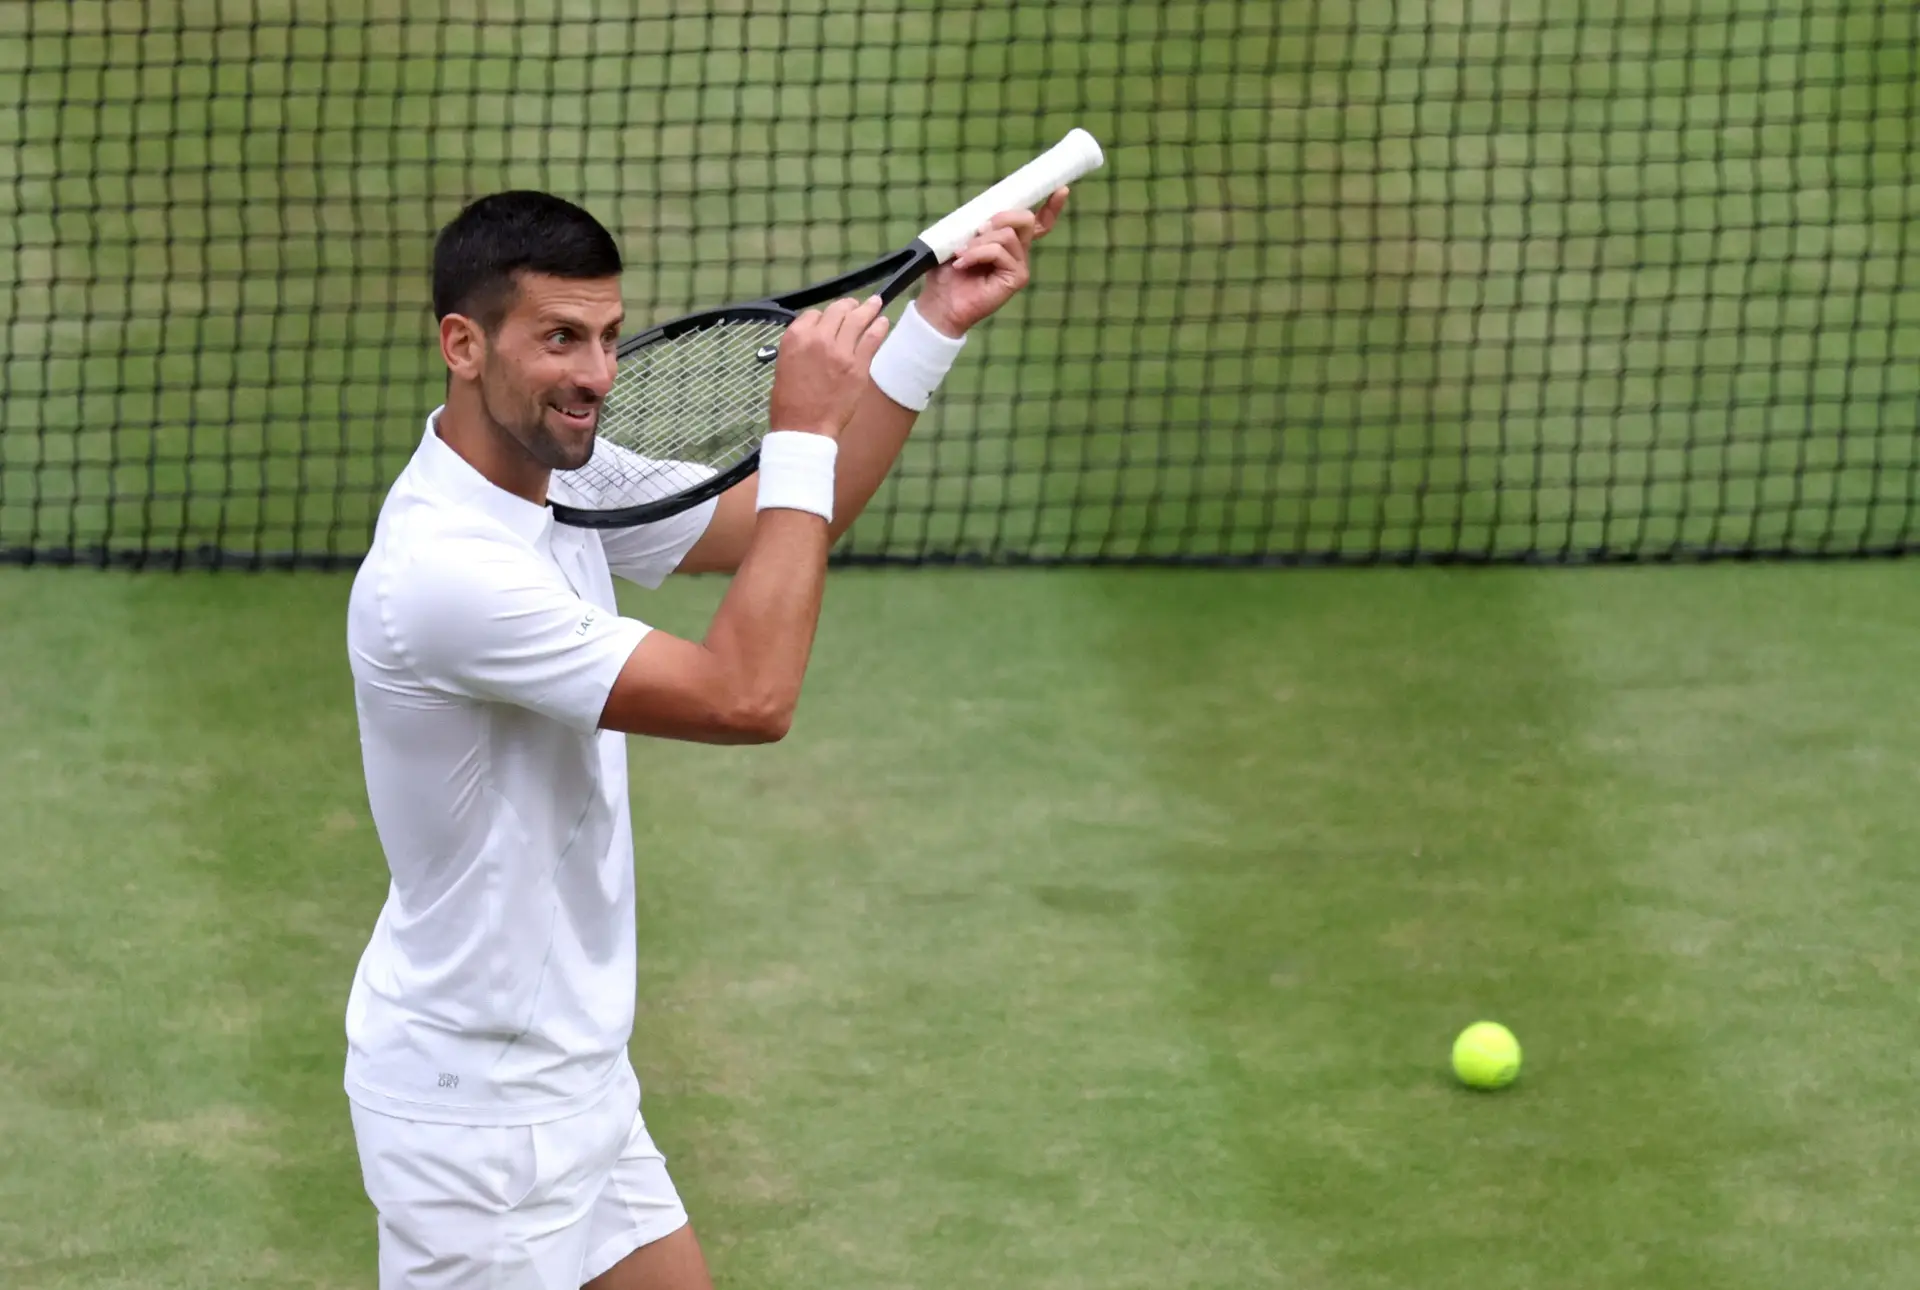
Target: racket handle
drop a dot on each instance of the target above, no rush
(1024, 189)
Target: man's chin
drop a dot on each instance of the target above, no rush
(569, 444)
(572, 457)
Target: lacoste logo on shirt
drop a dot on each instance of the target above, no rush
(593, 616)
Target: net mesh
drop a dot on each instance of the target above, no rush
(1368, 280)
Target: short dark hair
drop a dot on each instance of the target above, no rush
(479, 252)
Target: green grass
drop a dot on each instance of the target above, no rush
(1091, 930)
(1442, 277)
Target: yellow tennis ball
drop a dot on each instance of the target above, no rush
(1486, 1055)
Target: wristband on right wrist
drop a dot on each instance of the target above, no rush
(913, 360)
(796, 472)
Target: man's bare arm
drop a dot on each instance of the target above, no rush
(741, 682)
(986, 273)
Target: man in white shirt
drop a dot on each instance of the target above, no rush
(495, 1109)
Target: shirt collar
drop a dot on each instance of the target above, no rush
(452, 476)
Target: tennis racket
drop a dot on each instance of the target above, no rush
(688, 408)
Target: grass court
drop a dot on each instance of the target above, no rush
(1094, 929)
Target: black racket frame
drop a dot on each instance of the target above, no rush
(900, 269)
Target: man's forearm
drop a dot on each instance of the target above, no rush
(868, 448)
(904, 375)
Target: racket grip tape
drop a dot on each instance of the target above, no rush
(1075, 155)
(796, 472)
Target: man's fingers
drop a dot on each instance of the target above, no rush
(1022, 223)
(858, 321)
(994, 256)
(1005, 239)
(869, 343)
(837, 314)
(1050, 213)
(864, 315)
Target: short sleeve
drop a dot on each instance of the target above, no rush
(646, 553)
(489, 621)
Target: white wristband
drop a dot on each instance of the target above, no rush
(913, 360)
(796, 472)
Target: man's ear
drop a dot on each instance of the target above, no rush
(463, 344)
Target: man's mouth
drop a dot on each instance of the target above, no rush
(580, 415)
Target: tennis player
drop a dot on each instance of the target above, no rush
(494, 1105)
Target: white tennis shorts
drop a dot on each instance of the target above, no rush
(527, 1207)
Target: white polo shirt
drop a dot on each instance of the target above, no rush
(498, 985)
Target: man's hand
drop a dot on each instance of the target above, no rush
(822, 382)
(988, 271)
(820, 376)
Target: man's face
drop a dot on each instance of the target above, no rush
(549, 364)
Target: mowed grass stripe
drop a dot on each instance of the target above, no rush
(287, 850)
(142, 1132)
(1413, 847)
(1090, 931)
(911, 1009)
(1530, 799)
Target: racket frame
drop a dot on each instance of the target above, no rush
(1072, 157)
(901, 269)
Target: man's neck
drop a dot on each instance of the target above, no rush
(465, 427)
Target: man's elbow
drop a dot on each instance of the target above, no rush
(731, 719)
(759, 721)
(672, 688)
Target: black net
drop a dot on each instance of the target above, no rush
(1362, 280)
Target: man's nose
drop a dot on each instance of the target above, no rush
(597, 372)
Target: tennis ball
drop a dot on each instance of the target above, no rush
(1486, 1055)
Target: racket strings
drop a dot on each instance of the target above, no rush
(696, 405)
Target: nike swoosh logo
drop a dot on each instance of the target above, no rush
(767, 353)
